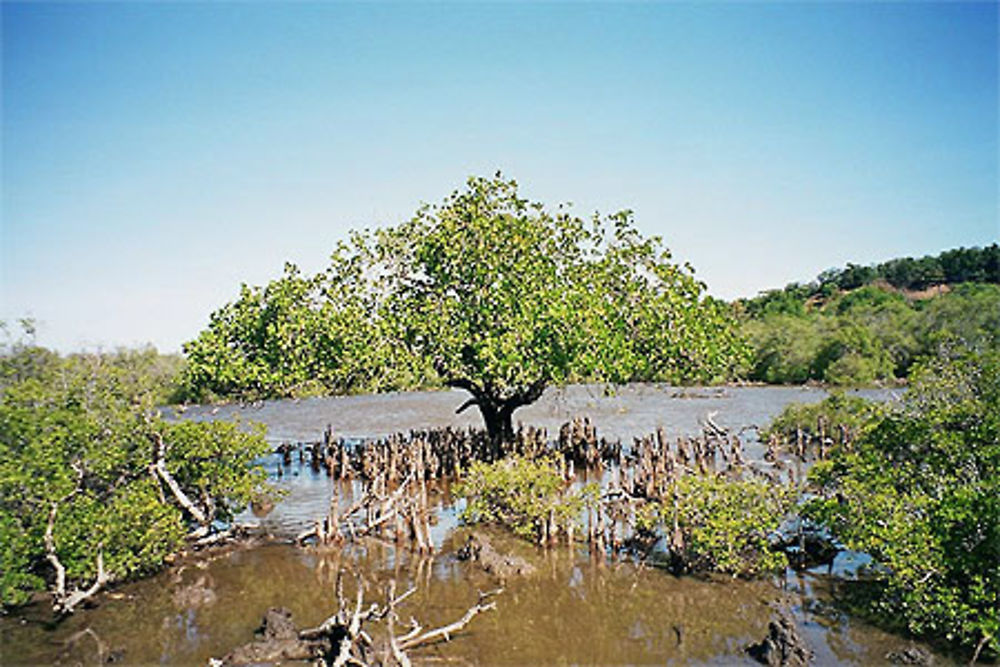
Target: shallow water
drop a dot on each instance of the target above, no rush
(632, 411)
(619, 413)
(574, 609)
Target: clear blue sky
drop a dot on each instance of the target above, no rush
(157, 155)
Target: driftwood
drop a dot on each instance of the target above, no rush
(711, 428)
(414, 638)
(342, 639)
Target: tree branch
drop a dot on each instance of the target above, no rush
(50, 554)
(65, 602)
(160, 466)
(70, 602)
(526, 396)
(468, 385)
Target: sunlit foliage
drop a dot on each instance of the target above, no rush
(77, 482)
(869, 335)
(527, 496)
(840, 417)
(487, 292)
(920, 493)
(727, 526)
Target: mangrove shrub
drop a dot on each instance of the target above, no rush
(919, 492)
(95, 486)
(725, 525)
(528, 496)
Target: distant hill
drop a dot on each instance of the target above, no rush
(915, 278)
(868, 324)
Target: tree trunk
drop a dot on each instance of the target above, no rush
(498, 412)
(498, 418)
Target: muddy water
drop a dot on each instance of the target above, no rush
(622, 412)
(572, 610)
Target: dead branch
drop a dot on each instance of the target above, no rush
(445, 632)
(50, 553)
(65, 602)
(233, 532)
(352, 645)
(397, 653)
(712, 427)
(69, 602)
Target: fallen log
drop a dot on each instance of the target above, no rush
(342, 639)
(444, 633)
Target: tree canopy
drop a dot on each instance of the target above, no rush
(487, 292)
(866, 335)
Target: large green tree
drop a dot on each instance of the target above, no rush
(506, 297)
(500, 296)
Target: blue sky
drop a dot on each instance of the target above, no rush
(157, 155)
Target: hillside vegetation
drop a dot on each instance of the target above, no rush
(869, 324)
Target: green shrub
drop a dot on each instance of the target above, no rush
(840, 413)
(920, 493)
(77, 449)
(726, 525)
(528, 496)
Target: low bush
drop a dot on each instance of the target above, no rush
(528, 496)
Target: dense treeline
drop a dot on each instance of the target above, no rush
(959, 265)
(853, 327)
(95, 486)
